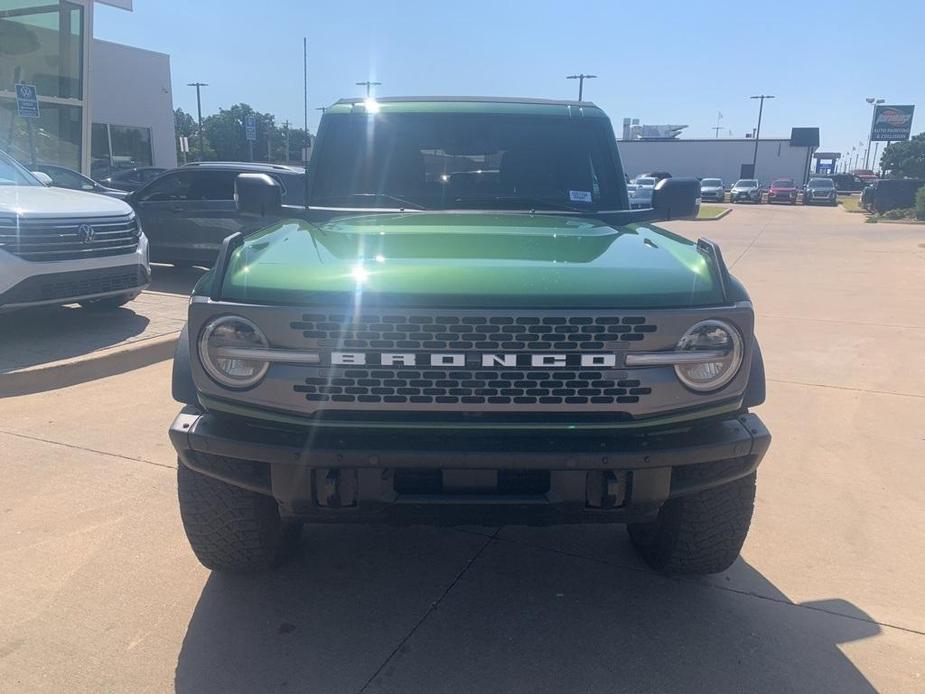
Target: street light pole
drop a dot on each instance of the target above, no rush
(874, 102)
(761, 98)
(581, 77)
(198, 86)
(368, 85)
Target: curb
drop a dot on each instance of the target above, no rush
(722, 214)
(88, 367)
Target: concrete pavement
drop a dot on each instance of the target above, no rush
(100, 592)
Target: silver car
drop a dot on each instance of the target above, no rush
(641, 196)
(746, 190)
(712, 189)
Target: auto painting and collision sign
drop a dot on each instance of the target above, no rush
(892, 123)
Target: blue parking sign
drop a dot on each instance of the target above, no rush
(27, 101)
(250, 127)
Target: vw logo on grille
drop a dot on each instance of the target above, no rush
(85, 233)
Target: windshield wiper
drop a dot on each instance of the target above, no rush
(529, 204)
(385, 196)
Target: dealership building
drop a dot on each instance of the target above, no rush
(101, 106)
(727, 158)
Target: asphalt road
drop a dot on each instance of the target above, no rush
(100, 593)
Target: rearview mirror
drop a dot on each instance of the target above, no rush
(258, 193)
(676, 198)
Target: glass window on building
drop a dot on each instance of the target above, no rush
(53, 138)
(118, 147)
(41, 43)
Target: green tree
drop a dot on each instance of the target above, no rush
(226, 135)
(905, 159)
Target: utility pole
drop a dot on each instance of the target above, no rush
(198, 86)
(719, 117)
(761, 98)
(581, 77)
(368, 86)
(874, 102)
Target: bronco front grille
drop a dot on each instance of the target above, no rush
(470, 384)
(467, 332)
(470, 387)
(46, 240)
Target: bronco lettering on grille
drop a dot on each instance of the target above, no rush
(485, 360)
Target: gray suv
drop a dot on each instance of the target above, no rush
(187, 212)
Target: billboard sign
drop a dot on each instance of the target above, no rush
(891, 123)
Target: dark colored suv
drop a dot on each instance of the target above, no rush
(187, 212)
(820, 191)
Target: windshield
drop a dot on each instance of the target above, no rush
(821, 183)
(466, 161)
(783, 183)
(747, 183)
(711, 183)
(12, 174)
(645, 181)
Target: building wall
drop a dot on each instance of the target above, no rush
(715, 158)
(131, 87)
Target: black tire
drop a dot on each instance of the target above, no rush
(233, 529)
(700, 533)
(109, 302)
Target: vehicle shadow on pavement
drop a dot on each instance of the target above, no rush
(442, 610)
(175, 280)
(41, 335)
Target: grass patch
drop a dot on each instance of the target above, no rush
(710, 212)
(851, 203)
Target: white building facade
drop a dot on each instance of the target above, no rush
(102, 106)
(717, 158)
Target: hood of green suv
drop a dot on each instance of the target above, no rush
(468, 259)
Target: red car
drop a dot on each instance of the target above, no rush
(783, 190)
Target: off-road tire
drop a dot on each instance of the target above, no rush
(233, 529)
(700, 533)
(109, 302)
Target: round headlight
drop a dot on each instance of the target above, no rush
(223, 351)
(716, 337)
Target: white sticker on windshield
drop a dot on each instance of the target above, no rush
(579, 195)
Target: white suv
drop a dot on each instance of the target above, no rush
(61, 246)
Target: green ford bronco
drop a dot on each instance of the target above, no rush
(467, 324)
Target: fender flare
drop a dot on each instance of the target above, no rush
(755, 389)
(183, 388)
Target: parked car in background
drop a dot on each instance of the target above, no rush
(783, 190)
(712, 189)
(745, 190)
(820, 191)
(847, 183)
(63, 177)
(188, 212)
(657, 175)
(62, 246)
(866, 175)
(132, 179)
(642, 195)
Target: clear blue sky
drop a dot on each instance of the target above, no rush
(662, 62)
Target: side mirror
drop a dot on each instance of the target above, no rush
(43, 177)
(676, 198)
(257, 193)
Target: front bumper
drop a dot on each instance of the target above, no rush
(459, 478)
(25, 284)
